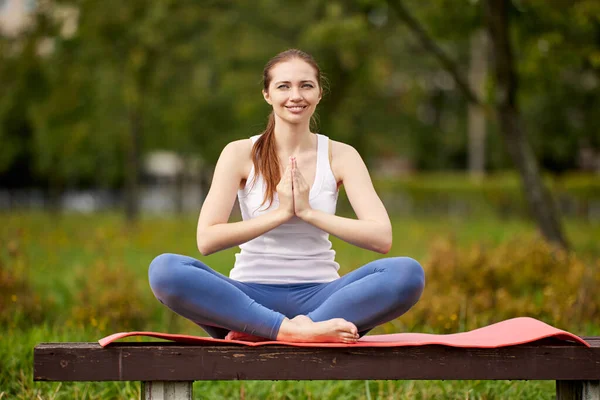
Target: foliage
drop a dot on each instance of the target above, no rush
(104, 299)
(483, 284)
(19, 303)
(191, 73)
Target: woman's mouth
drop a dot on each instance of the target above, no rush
(296, 109)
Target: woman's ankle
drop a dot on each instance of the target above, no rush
(286, 329)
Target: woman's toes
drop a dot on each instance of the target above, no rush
(233, 335)
(350, 328)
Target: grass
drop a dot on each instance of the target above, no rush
(67, 274)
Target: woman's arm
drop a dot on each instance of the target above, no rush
(373, 229)
(214, 233)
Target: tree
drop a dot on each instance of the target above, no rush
(538, 197)
(139, 61)
(139, 76)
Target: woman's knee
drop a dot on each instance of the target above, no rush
(162, 275)
(411, 276)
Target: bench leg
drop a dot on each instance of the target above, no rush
(167, 390)
(577, 390)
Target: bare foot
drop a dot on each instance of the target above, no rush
(303, 329)
(232, 335)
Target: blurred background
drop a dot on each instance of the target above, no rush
(478, 119)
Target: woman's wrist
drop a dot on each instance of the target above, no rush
(283, 215)
(305, 215)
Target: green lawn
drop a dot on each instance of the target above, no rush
(79, 278)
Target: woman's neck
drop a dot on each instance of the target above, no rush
(293, 139)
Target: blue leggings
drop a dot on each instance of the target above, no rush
(368, 296)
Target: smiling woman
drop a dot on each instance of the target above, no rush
(292, 86)
(285, 283)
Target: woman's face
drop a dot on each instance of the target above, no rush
(293, 91)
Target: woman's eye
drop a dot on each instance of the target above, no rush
(306, 85)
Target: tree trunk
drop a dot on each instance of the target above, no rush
(538, 197)
(476, 115)
(132, 165)
(55, 192)
(179, 187)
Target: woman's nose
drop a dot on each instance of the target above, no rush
(295, 95)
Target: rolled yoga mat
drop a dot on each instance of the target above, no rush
(506, 333)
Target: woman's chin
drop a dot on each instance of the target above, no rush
(295, 121)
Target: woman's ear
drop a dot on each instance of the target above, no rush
(267, 97)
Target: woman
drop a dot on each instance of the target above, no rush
(284, 284)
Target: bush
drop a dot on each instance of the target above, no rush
(19, 304)
(109, 298)
(475, 286)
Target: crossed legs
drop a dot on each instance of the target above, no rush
(210, 299)
(336, 311)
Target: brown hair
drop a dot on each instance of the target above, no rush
(264, 151)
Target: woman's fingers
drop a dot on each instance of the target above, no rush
(285, 178)
(290, 170)
(297, 174)
(298, 178)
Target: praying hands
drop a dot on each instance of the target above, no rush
(293, 191)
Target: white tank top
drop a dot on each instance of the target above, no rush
(293, 252)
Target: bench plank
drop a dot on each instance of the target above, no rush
(165, 361)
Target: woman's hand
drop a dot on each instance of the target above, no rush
(301, 191)
(285, 192)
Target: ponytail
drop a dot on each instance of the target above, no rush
(266, 161)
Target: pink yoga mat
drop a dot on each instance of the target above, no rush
(506, 333)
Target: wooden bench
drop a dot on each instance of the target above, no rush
(167, 370)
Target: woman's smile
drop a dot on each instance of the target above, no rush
(296, 109)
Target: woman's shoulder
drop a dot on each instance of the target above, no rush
(239, 152)
(340, 156)
(341, 150)
(239, 147)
